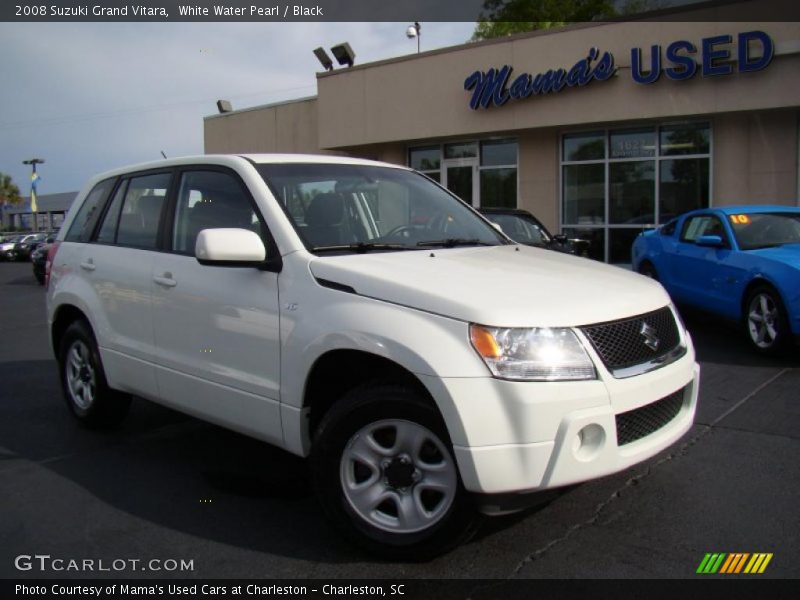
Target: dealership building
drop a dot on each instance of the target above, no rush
(600, 129)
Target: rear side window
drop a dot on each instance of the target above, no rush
(210, 200)
(141, 211)
(81, 228)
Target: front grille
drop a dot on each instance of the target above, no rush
(624, 343)
(640, 422)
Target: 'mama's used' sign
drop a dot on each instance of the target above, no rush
(681, 61)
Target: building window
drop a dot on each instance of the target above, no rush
(482, 173)
(427, 160)
(617, 182)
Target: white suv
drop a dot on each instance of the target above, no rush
(358, 313)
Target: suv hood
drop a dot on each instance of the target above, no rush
(503, 286)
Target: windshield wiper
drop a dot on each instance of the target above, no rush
(362, 247)
(453, 242)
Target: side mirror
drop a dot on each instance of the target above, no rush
(561, 239)
(229, 248)
(711, 241)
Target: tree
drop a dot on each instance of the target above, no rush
(9, 192)
(501, 18)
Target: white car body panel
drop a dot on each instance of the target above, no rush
(235, 345)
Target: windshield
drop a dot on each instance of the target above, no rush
(520, 229)
(357, 208)
(765, 230)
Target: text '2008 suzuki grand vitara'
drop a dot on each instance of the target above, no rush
(359, 314)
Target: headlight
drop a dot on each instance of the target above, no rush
(537, 354)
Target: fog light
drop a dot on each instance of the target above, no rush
(588, 442)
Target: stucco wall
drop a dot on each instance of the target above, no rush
(424, 97)
(289, 127)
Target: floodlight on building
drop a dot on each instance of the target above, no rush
(323, 58)
(344, 54)
(224, 106)
(413, 31)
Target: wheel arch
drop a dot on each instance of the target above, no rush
(338, 371)
(64, 316)
(756, 282)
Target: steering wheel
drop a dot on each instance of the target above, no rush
(401, 231)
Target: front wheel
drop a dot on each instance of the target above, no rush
(84, 383)
(385, 474)
(766, 324)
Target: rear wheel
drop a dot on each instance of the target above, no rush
(385, 474)
(766, 324)
(84, 383)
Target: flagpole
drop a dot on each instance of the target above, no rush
(34, 177)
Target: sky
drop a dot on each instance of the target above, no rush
(88, 97)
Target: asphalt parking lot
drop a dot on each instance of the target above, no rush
(166, 486)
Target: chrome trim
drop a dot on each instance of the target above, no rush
(651, 365)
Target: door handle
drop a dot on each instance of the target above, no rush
(88, 265)
(166, 280)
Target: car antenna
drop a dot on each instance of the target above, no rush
(162, 154)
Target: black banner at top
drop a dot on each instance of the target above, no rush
(392, 10)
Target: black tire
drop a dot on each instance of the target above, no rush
(83, 381)
(766, 324)
(407, 519)
(648, 270)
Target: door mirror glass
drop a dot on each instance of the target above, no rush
(229, 247)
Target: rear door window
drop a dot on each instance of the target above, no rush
(81, 228)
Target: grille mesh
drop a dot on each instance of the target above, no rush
(621, 344)
(640, 422)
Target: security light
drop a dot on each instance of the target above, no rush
(323, 57)
(344, 54)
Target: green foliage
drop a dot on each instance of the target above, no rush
(501, 18)
(9, 192)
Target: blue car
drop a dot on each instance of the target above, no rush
(739, 262)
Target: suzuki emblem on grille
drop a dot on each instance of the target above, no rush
(650, 338)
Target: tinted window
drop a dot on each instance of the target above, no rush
(108, 230)
(210, 200)
(669, 228)
(82, 225)
(141, 211)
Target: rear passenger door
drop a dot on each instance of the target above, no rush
(216, 327)
(118, 266)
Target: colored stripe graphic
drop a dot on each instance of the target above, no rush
(734, 563)
(758, 563)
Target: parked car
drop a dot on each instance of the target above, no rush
(524, 228)
(358, 314)
(8, 247)
(28, 244)
(739, 262)
(39, 259)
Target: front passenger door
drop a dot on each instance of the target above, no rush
(704, 276)
(216, 327)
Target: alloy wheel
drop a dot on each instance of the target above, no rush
(398, 476)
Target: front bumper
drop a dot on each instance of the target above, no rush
(529, 436)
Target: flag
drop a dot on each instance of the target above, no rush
(34, 183)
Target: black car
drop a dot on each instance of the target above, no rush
(29, 243)
(39, 259)
(522, 227)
